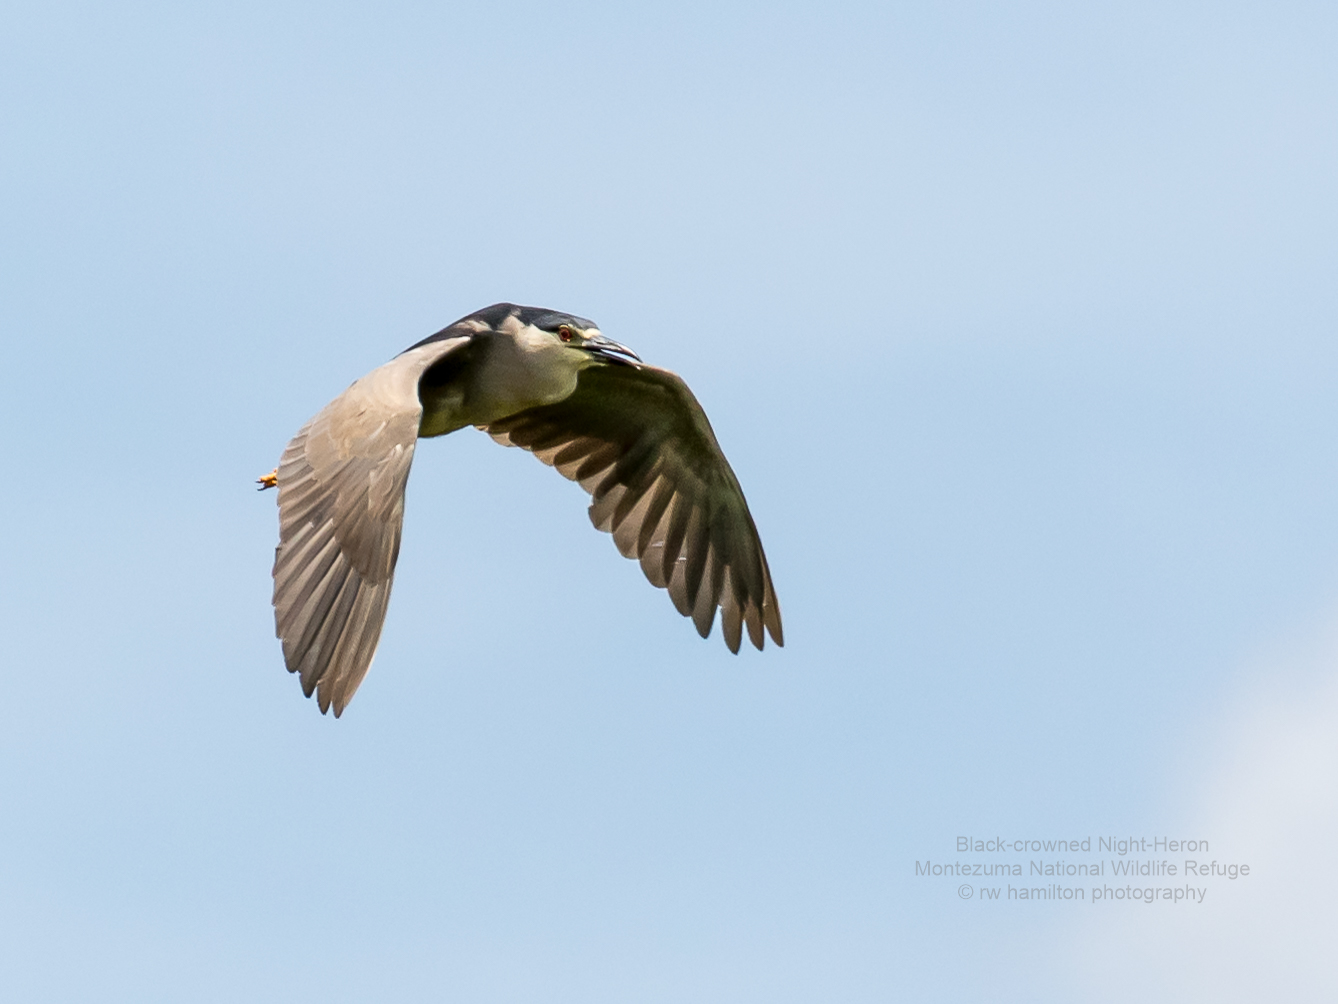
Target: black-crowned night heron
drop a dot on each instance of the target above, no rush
(633, 436)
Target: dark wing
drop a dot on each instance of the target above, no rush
(341, 506)
(637, 440)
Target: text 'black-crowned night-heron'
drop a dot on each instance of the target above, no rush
(633, 436)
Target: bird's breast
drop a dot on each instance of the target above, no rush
(492, 378)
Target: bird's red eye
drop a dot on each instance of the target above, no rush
(564, 333)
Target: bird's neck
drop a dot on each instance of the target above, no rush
(497, 374)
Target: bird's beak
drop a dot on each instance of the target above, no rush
(609, 350)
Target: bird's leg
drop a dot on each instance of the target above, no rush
(269, 480)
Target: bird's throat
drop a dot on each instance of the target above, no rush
(494, 376)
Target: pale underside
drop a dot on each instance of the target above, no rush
(634, 437)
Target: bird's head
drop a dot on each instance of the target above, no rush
(575, 333)
(540, 329)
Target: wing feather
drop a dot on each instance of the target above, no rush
(636, 439)
(341, 510)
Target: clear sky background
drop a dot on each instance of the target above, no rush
(1018, 325)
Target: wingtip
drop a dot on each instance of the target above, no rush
(771, 615)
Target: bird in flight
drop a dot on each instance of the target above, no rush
(631, 435)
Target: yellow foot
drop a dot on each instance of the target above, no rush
(269, 480)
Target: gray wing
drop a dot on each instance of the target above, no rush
(637, 440)
(341, 505)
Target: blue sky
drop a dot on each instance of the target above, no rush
(1017, 324)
